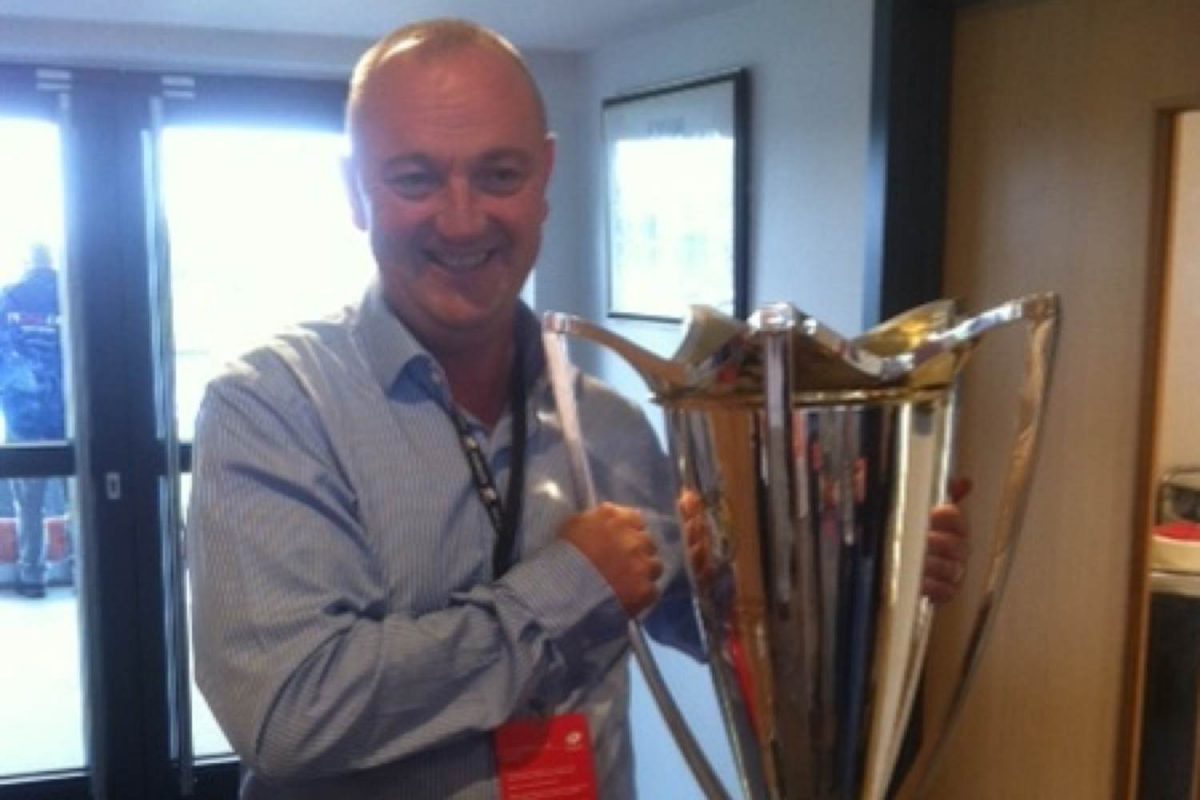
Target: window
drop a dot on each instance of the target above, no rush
(175, 214)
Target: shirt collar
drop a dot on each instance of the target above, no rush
(390, 347)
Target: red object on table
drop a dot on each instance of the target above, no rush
(1181, 530)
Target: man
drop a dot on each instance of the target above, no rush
(387, 556)
(31, 394)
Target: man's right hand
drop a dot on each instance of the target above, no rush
(615, 540)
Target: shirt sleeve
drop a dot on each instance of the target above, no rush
(297, 653)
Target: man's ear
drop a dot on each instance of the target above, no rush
(358, 210)
(548, 153)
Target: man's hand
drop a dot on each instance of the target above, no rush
(614, 539)
(946, 550)
(695, 535)
(945, 557)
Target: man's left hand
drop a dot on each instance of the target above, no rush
(946, 550)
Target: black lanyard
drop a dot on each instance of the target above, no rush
(505, 518)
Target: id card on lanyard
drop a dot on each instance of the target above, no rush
(545, 759)
(540, 758)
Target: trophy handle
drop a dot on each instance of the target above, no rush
(1041, 312)
(554, 343)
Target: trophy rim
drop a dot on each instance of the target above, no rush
(829, 398)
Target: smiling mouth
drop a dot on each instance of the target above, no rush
(462, 262)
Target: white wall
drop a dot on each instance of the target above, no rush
(810, 75)
(560, 268)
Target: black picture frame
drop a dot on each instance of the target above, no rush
(676, 164)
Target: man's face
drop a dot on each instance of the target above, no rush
(448, 176)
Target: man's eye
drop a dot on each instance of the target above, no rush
(500, 180)
(412, 184)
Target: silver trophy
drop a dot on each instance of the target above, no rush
(818, 460)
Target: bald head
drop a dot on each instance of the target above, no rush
(424, 43)
(447, 174)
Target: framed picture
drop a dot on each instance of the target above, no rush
(676, 160)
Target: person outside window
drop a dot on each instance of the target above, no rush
(31, 396)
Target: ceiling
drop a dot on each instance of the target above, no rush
(572, 25)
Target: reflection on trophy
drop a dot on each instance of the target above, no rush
(818, 460)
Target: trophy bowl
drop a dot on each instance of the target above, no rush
(817, 460)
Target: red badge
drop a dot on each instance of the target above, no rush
(545, 759)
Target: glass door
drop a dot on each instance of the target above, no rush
(42, 677)
(151, 227)
(254, 234)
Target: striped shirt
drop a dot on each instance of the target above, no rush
(349, 634)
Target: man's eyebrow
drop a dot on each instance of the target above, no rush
(408, 160)
(491, 156)
(507, 153)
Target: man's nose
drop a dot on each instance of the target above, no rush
(460, 215)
